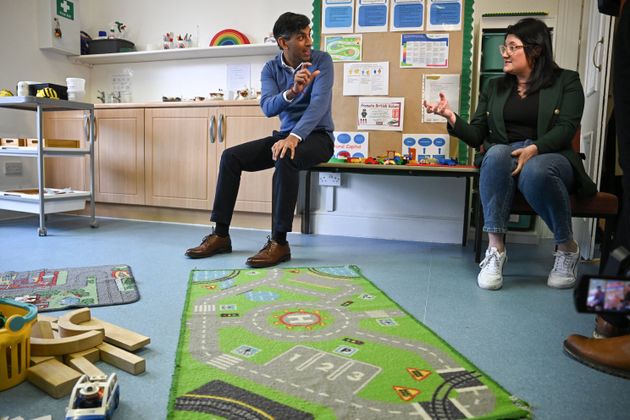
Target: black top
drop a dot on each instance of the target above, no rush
(521, 116)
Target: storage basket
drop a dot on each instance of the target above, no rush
(15, 341)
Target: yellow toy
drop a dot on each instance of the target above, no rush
(14, 341)
(5, 92)
(47, 93)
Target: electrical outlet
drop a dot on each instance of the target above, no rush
(13, 168)
(329, 179)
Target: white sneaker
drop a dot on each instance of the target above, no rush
(562, 275)
(491, 275)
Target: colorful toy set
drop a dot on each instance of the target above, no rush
(394, 158)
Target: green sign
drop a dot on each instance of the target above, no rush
(65, 8)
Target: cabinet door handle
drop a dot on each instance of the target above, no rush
(86, 127)
(212, 129)
(221, 128)
(595, 54)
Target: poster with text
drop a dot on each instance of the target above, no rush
(407, 15)
(444, 15)
(344, 48)
(371, 16)
(337, 16)
(384, 114)
(351, 144)
(424, 146)
(432, 85)
(365, 79)
(424, 50)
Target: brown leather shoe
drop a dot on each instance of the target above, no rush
(272, 253)
(610, 355)
(604, 329)
(210, 245)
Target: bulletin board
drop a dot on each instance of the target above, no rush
(403, 82)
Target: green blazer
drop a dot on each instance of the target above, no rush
(559, 113)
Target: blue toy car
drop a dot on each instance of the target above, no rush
(94, 398)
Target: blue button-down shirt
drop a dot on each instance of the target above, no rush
(311, 109)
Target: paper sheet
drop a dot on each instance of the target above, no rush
(344, 48)
(351, 143)
(337, 16)
(432, 85)
(371, 15)
(407, 15)
(377, 113)
(444, 15)
(424, 50)
(426, 145)
(364, 79)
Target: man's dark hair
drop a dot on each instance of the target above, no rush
(289, 24)
(536, 38)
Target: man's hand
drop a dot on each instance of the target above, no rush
(523, 154)
(441, 108)
(302, 78)
(279, 148)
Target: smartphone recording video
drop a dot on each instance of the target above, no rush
(603, 294)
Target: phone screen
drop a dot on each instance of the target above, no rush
(607, 295)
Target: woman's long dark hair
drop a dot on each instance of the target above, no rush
(536, 38)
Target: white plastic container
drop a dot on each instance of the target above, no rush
(76, 88)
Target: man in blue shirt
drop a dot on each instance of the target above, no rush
(297, 87)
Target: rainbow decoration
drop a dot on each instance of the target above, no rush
(229, 37)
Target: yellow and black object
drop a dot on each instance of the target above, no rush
(6, 92)
(47, 92)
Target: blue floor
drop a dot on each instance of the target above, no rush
(515, 335)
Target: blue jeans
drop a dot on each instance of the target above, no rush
(544, 181)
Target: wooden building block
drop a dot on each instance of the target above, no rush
(79, 321)
(53, 377)
(42, 329)
(122, 337)
(65, 345)
(69, 324)
(122, 359)
(93, 355)
(36, 360)
(52, 319)
(85, 366)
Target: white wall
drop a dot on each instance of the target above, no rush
(149, 20)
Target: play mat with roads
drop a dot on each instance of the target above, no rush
(325, 343)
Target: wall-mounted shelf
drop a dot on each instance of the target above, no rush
(179, 54)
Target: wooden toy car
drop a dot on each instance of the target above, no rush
(94, 397)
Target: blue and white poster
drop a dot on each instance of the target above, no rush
(424, 146)
(351, 144)
(337, 16)
(407, 15)
(444, 15)
(371, 15)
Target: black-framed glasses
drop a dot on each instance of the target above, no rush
(509, 49)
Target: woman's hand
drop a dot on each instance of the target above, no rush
(441, 108)
(523, 154)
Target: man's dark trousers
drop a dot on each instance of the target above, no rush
(256, 156)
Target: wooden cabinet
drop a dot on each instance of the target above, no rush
(180, 157)
(67, 171)
(242, 124)
(119, 156)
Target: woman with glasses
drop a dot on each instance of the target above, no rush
(522, 128)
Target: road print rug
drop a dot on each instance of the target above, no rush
(63, 288)
(317, 343)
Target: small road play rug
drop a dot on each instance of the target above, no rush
(63, 288)
(318, 343)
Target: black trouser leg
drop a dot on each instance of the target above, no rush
(316, 148)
